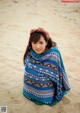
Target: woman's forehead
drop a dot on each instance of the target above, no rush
(41, 38)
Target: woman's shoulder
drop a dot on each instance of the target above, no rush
(56, 49)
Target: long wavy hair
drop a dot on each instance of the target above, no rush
(35, 35)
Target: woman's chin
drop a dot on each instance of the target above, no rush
(39, 52)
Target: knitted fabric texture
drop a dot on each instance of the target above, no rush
(45, 78)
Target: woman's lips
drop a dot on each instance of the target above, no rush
(38, 49)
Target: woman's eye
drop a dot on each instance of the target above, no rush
(33, 42)
(41, 42)
(37, 42)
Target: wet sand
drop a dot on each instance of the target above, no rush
(62, 21)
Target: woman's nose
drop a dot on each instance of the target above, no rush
(37, 46)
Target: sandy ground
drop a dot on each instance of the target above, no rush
(62, 21)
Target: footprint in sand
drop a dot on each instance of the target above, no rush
(61, 110)
(12, 97)
(65, 101)
(15, 1)
(77, 106)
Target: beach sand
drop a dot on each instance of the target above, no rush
(62, 21)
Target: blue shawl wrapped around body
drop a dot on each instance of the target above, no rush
(45, 78)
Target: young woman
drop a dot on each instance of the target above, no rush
(45, 78)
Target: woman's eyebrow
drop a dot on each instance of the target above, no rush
(41, 41)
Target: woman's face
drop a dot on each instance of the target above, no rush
(40, 46)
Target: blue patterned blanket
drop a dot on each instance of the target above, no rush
(45, 78)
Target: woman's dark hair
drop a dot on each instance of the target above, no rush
(34, 37)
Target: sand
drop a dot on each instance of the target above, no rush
(62, 21)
